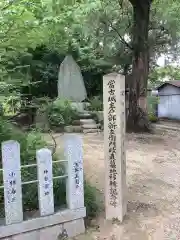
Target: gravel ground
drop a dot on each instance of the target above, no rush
(153, 178)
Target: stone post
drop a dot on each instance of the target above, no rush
(12, 182)
(75, 181)
(45, 185)
(114, 146)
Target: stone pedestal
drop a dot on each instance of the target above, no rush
(61, 225)
(79, 106)
(114, 146)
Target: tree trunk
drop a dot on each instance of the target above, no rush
(137, 116)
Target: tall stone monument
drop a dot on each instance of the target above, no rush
(114, 146)
(70, 82)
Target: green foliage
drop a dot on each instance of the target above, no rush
(106, 33)
(159, 74)
(165, 28)
(11, 105)
(92, 202)
(61, 113)
(20, 29)
(96, 104)
(1, 110)
(102, 42)
(152, 102)
(152, 118)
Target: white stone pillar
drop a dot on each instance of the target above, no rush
(114, 146)
(45, 185)
(12, 182)
(75, 181)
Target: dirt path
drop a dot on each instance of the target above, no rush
(153, 178)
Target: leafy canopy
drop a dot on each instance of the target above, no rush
(98, 31)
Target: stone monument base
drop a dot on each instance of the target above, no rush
(79, 106)
(62, 225)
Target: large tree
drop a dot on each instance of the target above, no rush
(155, 29)
(140, 65)
(151, 28)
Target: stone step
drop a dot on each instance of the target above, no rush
(75, 129)
(90, 130)
(87, 121)
(89, 126)
(85, 115)
(76, 123)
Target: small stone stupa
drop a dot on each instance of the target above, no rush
(70, 83)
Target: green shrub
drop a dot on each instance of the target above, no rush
(152, 102)
(29, 143)
(11, 105)
(152, 117)
(96, 104)
(61, 113)
(92, 202)
(1, 110)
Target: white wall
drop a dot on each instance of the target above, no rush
(169, 102)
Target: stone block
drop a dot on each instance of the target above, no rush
(76, 123)
(34, 235)
(79, 106)
(85, 115)
(90, 130)
(40, 223)
(68, 129)
(76, 129)
(51, 233)
(100, 116)
(87, 121)
(75, 227)
(71, 129)
(90, 126)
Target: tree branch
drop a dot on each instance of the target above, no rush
(125, 13)
(7, 6)
(117, 32)
(121, 38)
(120, 2)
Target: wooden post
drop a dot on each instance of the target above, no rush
(12, 182)
(114, 144)
(75, 182)
(45, 177)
